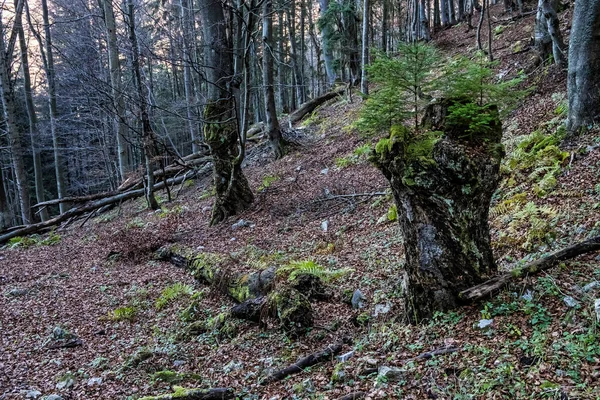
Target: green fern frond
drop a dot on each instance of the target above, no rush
(309, 267)
(172, 292)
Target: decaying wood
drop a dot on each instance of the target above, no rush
(196, 394)
(434, 353)
(493, 285)
(83, 209)
(326, 354)
(311, 105)
(255, 291)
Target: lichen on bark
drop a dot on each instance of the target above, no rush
(443, 192)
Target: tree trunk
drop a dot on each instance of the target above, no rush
(364, 84)
(444, 12)
(32, 115)
(443, 202)
(233, 194)
(57, 143)
(116, 87)
(147, 134)
(273, 129)
(424, 21)
(188, 84)
(553, 26)
(384, 25)
(326, 40)
(584, 63)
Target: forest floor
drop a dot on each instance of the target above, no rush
(100, 282)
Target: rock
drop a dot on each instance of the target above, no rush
(33, 394)
(324, 225)
(597, 309)
(528, 295)
(52, 397)
(591, 286)
(325, 171)
(570, 301)
(17, 292)
(382, 309)
(233, 366)
(345, 357)
(391, 374)
(358, 299)
(94, 381)
(178, 363)
(371, 361)
(485, 324)
(242, 223)
(65, 383)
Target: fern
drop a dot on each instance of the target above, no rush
(309, 267)
(123, 314)
(172, 292)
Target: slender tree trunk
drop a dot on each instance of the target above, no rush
(4, 206)
(57, 142)
(233, 193)
(364, 84)
(451, 12)
(327, 47)
(273, 129)
(385, 11)
(436, 15)
(559, 50)
(116, 88)
(584, 66)
(480, 25)
(489, 24)
(444, 12)
(188, 57)
(425, 34)
(33, 121)
(147, 134)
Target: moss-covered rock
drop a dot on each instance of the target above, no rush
(293, 310)
(181, 393)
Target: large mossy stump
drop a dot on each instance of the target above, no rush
(443, 179)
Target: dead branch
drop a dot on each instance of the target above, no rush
(324, 355)
(311, 105)
(354, 396)
(493, 285)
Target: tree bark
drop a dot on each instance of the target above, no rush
(443, 201)
(553, 25)
(273, 128)
(326, 40)
(57, 142)
(116, 87)
(364, 84)
(312, 104)
(32, 115)
(584, 63)
(233, 194)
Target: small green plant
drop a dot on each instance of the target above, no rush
(309, 267)
(267, 181)
(25, 242)
(173, 292)
(123, 313)
(176, 210)
(166, 376)
(208, 193)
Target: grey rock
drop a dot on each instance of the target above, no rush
(392, 374)
(65, 383)
(382, 309)
(324, 225)
(242, 223)
(591, 286)
(325, 171)
(59, 333)
(33, 394)
(597, 309)
(570, 301)
(178, 363)
(485, 324)
(528, 295)
(233, 366)
(358, 299)
(53, 397)
(345, 357)
(94, 381)
(17, 292)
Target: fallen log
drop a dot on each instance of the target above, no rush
(83, 209)
(195, 394)
(354, 396)
(326, 354)
(493, 285)
(255, 291)
(311, 105)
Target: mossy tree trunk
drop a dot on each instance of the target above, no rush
(443, 198)
(233, 193)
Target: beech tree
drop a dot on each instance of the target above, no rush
(233, 193)
(584, 63)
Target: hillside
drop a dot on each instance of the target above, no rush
(99, 280)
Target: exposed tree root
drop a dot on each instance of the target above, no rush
(493, 285)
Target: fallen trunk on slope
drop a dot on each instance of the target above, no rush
(83, 209)
(255, 291)
(493, 285)
(311, 105)
(195, 394)
(326, 354)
